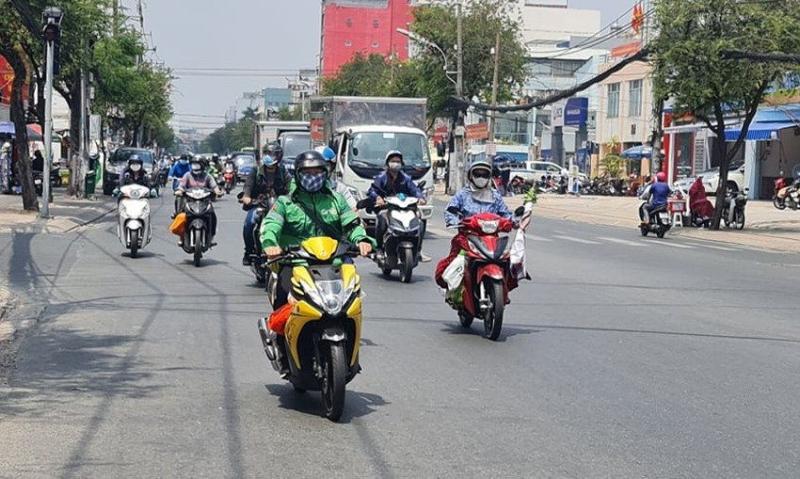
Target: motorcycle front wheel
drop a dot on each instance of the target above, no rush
(334, 378)
(407, 266)
(465, 319)
(198, 251)
(738, 220)
(493, 319)
(779, 203)
(134, 243)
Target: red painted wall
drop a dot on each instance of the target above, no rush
(347, 30)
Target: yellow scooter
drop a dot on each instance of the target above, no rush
(318, 350)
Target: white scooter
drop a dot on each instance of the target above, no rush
(133, 228)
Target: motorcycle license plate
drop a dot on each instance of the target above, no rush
(37, 182)
(664, 218)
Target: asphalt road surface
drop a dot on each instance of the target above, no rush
(626, 357)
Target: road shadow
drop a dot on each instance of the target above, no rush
(476, 329)
(205, 262)
(356, 404)
(141, 255)
(395, 277)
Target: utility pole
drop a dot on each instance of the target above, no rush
(79, 180)
(456, 171)
(52, 31)
(495, 81)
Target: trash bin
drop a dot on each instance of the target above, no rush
(91, 183)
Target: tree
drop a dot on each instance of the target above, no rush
(293, 113)
(691, 66)
(13, 41)
(361, 76)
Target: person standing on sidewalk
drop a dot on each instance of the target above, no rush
(5, 168)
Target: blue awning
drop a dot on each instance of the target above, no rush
(638, 152)
(759, 131)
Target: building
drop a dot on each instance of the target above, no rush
(625, 117)
(362, 26)
(548, 23)
(277, 98)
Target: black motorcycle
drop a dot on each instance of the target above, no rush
(733, 211)
(258, 263)
(659, 221)
(198, 236)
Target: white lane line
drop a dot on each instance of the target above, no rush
(622, 241)
(666, 243)
(575, 240)
(711, 246)
(538, 238)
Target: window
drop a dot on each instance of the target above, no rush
(613, 100)
(635, 98)
(375, 45)
(348, 43)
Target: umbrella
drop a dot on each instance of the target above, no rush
(638, 152)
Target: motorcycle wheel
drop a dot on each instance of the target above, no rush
(661, 232)
(407, 266)
(493, 321)
(334, 376)
(779, 203)
(738, 221)
(644, 230)
(465, 319)
(198, 253)
(134, 243)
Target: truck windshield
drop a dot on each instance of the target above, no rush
(369, 149)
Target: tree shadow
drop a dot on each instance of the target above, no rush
(356, 404)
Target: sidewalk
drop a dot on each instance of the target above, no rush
(765, 228)
(66, 214)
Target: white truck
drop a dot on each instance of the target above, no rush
(361, 130)
(271, 130)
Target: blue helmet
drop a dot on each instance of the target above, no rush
(267, 160)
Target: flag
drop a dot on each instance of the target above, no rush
(638, 18)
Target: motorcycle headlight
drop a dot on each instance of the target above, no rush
(146, 210)
(489, 227)
(331, 296)
(123, 212)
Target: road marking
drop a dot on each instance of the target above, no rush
(621, 241)
(720, 248)
(538, 238)
(575, 240)
(671, 245)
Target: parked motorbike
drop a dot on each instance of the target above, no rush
(478, 280)
(659, 222)
(198, 235)
(319, 347)
(733, 211)
(229, 178)
(786, 194)
(258, 265)
(133, 210)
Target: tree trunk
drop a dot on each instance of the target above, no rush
(23, 167)
(722, 187)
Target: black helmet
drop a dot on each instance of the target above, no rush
(309, 159)
(134, 159)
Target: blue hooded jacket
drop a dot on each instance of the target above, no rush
(178, 171)
(382, 186)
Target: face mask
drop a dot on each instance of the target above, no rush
(481, 182)
(395, 166)
(136, 167)
(183, 162)
(312, 183)
(196, 168)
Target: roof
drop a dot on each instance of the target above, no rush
(760, 131)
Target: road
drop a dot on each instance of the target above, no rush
(625, 357)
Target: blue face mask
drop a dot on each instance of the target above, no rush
(312, 183)
(183, 162)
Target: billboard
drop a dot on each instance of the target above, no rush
(573, 112)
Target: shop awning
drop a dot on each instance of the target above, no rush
(759, 131)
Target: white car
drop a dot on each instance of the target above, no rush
(736, 180)
(536, 171)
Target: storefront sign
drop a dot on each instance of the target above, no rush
(478, 131)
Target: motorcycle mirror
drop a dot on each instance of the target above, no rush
(363, 203)
(454, 211)
(422, 184)
(519, 211)
(240, 195)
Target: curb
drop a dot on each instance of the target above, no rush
(90, 221)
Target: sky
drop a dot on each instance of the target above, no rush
(223, 35)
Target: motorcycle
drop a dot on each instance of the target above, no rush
(478, 280)
(197, 237)
(659, 222)
(258, 264)
(319, 347)
(733, 211)
(229, 178)
(786, 194)
(403, 237)
(133, 226)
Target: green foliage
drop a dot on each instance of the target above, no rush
(362, 76)
(294, 113)
(231, 137)
(614, 165)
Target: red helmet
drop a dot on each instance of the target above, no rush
(661, 177)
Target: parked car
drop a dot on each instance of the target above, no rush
(536, 171)
(245, 164)
(117, 163)
(736, 181)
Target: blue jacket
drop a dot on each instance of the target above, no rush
(660, 194)
(469, 206)
(178, 171)
(383, 186)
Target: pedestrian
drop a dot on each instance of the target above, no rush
(5, 168)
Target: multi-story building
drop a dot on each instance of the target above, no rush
(362, 26)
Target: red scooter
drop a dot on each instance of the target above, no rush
(229, 176)
(486, 272)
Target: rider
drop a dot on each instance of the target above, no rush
(179, 169)
(655, 196)
(341, 188)
(267, 179)
(135, 173)
(197, 178)
(392, 182)
(311, 209)
(476, 197)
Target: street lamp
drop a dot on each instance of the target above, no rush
(424, 41)
(52, 17)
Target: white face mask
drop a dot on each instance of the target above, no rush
(480, 182)
(136, 167)
(196, 168)
(395, 166)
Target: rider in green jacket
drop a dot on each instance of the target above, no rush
(311, 209)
